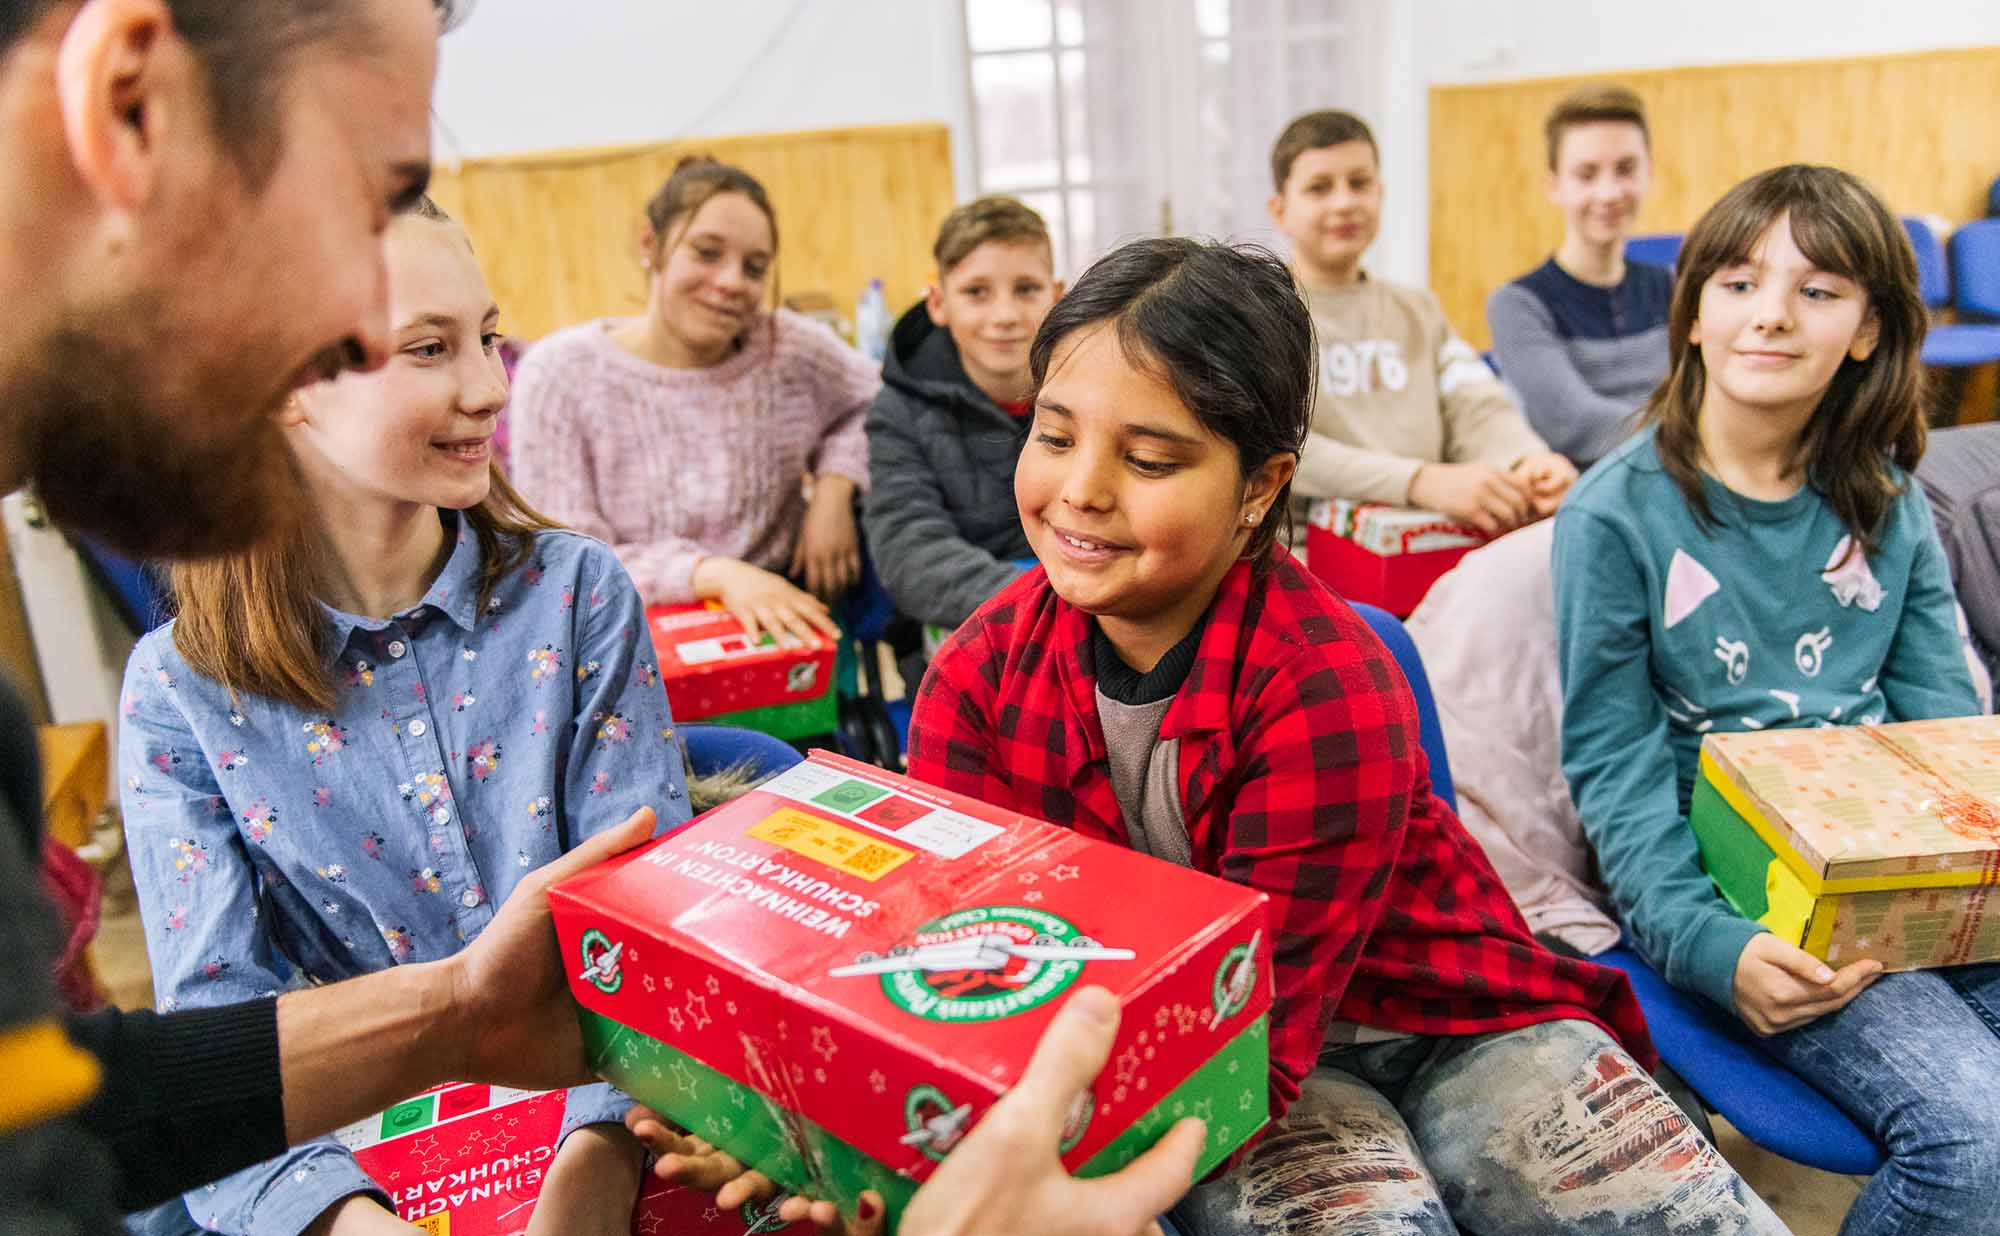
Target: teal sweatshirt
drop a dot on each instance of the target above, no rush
(1666, 631)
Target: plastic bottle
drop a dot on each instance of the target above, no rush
(871, 321)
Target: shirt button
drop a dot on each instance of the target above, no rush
(418, 729)
(442, 815)
(397, 648)
(469, 898)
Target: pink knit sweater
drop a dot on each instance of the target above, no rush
(672, 465)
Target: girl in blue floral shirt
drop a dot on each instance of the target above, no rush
(357, 738)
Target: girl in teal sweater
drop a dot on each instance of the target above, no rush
(1758, 557)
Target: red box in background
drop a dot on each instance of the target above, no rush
(469, 1160)
(1384, 555)
(714, 672)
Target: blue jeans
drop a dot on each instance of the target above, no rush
(1915, 1060)
(1549, 1129)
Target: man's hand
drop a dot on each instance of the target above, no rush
(1006, 1178)
(1546, 476)
(829, 549)
(1780, 986)
(509, 995)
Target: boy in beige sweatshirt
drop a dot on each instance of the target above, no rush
(1407, 413)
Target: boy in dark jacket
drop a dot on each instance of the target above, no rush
(946, 428)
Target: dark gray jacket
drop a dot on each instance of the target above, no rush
(1960, 472)
(941, 519)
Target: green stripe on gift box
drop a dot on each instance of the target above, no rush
(1228, 1091)
(1736, 857)
(800, 719)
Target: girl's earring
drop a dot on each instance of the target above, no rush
(1250, 517)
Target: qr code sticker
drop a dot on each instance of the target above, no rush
(872, 860)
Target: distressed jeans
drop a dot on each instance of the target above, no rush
(1915, 1060)
(1548, 1129)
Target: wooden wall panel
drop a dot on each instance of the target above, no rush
(1923, 128)
(556, 232)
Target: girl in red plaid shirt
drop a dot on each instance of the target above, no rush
(1172, 681)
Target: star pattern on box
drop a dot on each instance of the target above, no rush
(877, 1082)
(739, 1097)
(497, 1141)
(714, 987)
(1234, 1065)
(1127, 1065)
(650, 984)
(1205, 1111)
(819, 1075)
(675, 1020)
(649, 1225)
(433, 1165)
(1244, 1100)
(1067, 871)
(697, 1011)
(632, 955)
(823, 1043)
(1029, 877)
(1186, 1017)
(684, 1078)
(425, 1145)
(1032, 897)
(710, 1215)
(730, 1008)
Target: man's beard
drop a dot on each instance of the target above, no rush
(154, 475)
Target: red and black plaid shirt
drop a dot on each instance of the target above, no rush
(1301, 776)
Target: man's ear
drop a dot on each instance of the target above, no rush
(123, 78)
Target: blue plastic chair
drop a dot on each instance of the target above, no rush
(1948, 345)
(1658, 249)
(138, 590)
(1389, 629)
(1712, 1051)
(1975, 269)
(714, 749)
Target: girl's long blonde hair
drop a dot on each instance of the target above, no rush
(1872, 414)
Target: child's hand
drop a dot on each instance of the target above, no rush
(829, 552)
(1546, 476)
(687, 1160)
(1780, 986)
(1475, 493)
(762, 601)
(591, 1186)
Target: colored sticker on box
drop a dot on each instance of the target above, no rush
(849, 795)
(463, 1100)
(434, 1225)
(836, 845)
(893, 812)
(409, 1117)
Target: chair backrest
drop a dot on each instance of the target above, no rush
(1389, 629)
(138, 589)
(1659, 249)
(1975, 268)
(1993, 199)
(717, 748)
(1933, 282)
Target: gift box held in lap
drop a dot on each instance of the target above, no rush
(714, 672)
(1859, 841)
(470, 1160)
(834, 976)
(1383, 555)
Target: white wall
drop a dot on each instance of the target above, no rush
(1435, 42)
(526, 75)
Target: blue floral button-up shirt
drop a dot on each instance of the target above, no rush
(469, 745)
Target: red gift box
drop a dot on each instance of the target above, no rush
(714, 672)
(835, 975)
(469, 1160)
(1383, 555)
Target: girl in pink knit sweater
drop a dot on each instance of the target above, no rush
(717, 446)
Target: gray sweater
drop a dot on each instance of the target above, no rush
(940, 517)
(1581, 358)
(1960, 473)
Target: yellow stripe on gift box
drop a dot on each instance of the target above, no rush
(1813, 881)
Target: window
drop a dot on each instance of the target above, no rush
(1117, 118)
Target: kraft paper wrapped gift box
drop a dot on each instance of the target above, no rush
(1859, 841)
(714, 672)
(1383, 555)
(469, 1160)
(835, 975)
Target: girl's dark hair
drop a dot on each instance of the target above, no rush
(1224, 327)
(1872, 413)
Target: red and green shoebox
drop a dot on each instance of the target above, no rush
(468, 1160)
(1859, 841)
(1384, 555)
(714, 672)
(834, 976)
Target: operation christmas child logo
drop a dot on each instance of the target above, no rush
(983, 963)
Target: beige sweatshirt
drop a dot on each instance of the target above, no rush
(1398, 389)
